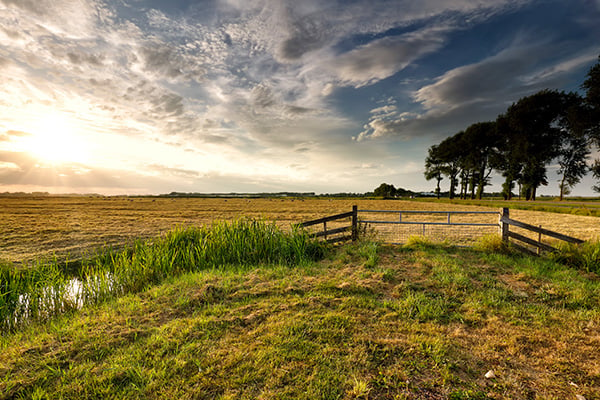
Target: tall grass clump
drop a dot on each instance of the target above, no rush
(36, 293)
(584, 256)
(46, 289)
(492, 244)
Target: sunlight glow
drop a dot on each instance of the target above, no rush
(56, 140)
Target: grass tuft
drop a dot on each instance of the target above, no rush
(585, 256)
(492, 244)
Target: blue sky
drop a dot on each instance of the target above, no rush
(140, 97)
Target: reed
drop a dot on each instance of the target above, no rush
(49, 287)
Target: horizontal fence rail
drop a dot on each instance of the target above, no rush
(447, 213)
(327, 233)
(461, 227)
(506, 222)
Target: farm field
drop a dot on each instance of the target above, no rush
(251, 313)
(38, 227)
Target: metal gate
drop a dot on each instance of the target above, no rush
(462, 228)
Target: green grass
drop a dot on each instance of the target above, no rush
(369, 321)
(48, 288)
(585, 256)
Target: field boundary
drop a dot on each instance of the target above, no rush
(444, 219)
(505, 223)
(325, 233)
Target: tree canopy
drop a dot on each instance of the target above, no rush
(546, 128)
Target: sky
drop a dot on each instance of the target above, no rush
(325, 96)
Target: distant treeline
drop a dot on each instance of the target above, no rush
(265, 195)
(46, 194)
(242, 195)
(546, 128)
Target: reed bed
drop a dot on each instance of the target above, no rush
(49, 287)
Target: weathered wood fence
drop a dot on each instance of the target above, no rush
(351, 232)
(506, 222)
(332, 235)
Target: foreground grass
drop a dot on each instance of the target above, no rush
(419, 322)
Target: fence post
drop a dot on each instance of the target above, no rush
(354, 223)
(503, 225)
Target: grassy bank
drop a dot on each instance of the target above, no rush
(417, 322)
(42, 290)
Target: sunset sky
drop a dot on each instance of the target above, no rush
(154, 96)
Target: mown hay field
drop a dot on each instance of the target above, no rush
(41, 227)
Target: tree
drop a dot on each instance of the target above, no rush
(529, 140)
(596, 172)
(386, 191)
(572, 163)
(434, 167)
(591, 85)
(592, 100)
(481, 143)
(575, 147)
(450, 152)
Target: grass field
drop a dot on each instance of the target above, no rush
(44, 226)
(367, 322)
(243, 310)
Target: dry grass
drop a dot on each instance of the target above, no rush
(40, 227)
(370, 322)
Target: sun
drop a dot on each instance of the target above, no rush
(56, 140)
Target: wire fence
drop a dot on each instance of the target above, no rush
(461, 228)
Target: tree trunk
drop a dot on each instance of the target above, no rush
(472, 185)
(452, 187)
(562, 187)
(479, 191)
(507, 188)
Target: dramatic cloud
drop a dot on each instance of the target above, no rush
(267, 94)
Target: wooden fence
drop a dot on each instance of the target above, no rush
(328, 233)
(505, 223)
(339, 234)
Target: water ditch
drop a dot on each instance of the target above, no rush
(43, 302)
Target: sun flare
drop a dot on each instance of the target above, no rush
(56, 140)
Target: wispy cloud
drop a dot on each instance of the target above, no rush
(192, 92)
(383, 58)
